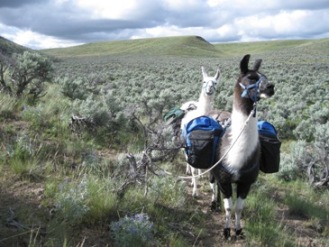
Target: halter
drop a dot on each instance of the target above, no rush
(205, 84)
(252, 91)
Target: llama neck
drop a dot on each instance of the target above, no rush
(205, 104)
(241, 110)
(245, 134)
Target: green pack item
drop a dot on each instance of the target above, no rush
(174, 114)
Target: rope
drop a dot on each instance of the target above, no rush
(225, 154)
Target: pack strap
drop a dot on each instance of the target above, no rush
(225, 154)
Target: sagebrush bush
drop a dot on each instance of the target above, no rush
(73, 88)
(135, 230)
(71, 201)
(168, 191)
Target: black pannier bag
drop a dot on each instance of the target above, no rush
(270, 148)
(202, 136)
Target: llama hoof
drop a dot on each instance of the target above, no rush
(227, 233)
(215, 207)
(239, 233)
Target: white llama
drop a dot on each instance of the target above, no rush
(202, 107)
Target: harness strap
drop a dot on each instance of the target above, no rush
(252, 91)
(252, 113)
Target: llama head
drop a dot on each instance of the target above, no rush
(209, 82)
(252, 84)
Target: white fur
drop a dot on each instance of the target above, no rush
(228, 208)
(203, 106)
(247, 142)
(238, 210)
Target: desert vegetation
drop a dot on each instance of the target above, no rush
(87, 160)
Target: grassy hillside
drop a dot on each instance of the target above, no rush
(289, 46)
(183, 45)
(8, 47)
(188, 46)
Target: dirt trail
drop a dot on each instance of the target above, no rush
(212, 234)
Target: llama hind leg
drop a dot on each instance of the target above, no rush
(242, 192)
(213, 205)
(215, 199)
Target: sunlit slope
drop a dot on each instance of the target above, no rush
(180, 46)
(317, 46)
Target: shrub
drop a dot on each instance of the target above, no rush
(136, 230)
(71, 201)
(29, 73)
(74, 88)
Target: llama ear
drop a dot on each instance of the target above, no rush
(217, 74)
(204, 73)
(257, 64)
(244, 64)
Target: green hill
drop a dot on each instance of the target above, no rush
(8, 47)
(187, 46)
(180, 46)
(317, 46)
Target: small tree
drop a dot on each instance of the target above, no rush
(28, 73)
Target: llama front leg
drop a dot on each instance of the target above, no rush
(228, 208)
(194, 183)
(238, 210)
(188, 169)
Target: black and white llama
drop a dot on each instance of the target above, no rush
(202, 107)
(240, 143)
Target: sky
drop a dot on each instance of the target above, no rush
(41, 24)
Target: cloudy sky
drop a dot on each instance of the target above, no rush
(40, 24)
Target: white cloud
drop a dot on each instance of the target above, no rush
(214, 3)
(226, 31)
(74, 21)
(108, 9)
(35, 40)
(166, 31)
(181, 5)
(296, 23)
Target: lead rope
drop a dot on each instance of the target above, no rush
(225, 154)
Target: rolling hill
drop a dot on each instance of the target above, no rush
(181, 46)
(177, 46)
(310, 46)
(8, 47)
(187, 46)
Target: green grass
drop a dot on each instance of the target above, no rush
(261, 224)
